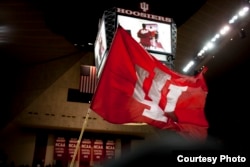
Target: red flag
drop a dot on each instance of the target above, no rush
(135, 87)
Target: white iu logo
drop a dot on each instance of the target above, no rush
(144, 6)
(155, 111)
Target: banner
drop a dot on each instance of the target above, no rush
(60, 148)
(110, 149)
(135, 87)
(98, 150)
(71, 147)
(85, 150)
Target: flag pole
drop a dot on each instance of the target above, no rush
(80, 137)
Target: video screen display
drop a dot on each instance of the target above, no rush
(153, 36)
(100, 45)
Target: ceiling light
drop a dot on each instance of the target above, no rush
(224, 30)
(217, 36)
(209, 45)
(243, 11)
(235, 17)
(189, 65)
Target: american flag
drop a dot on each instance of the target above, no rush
(88, 79)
